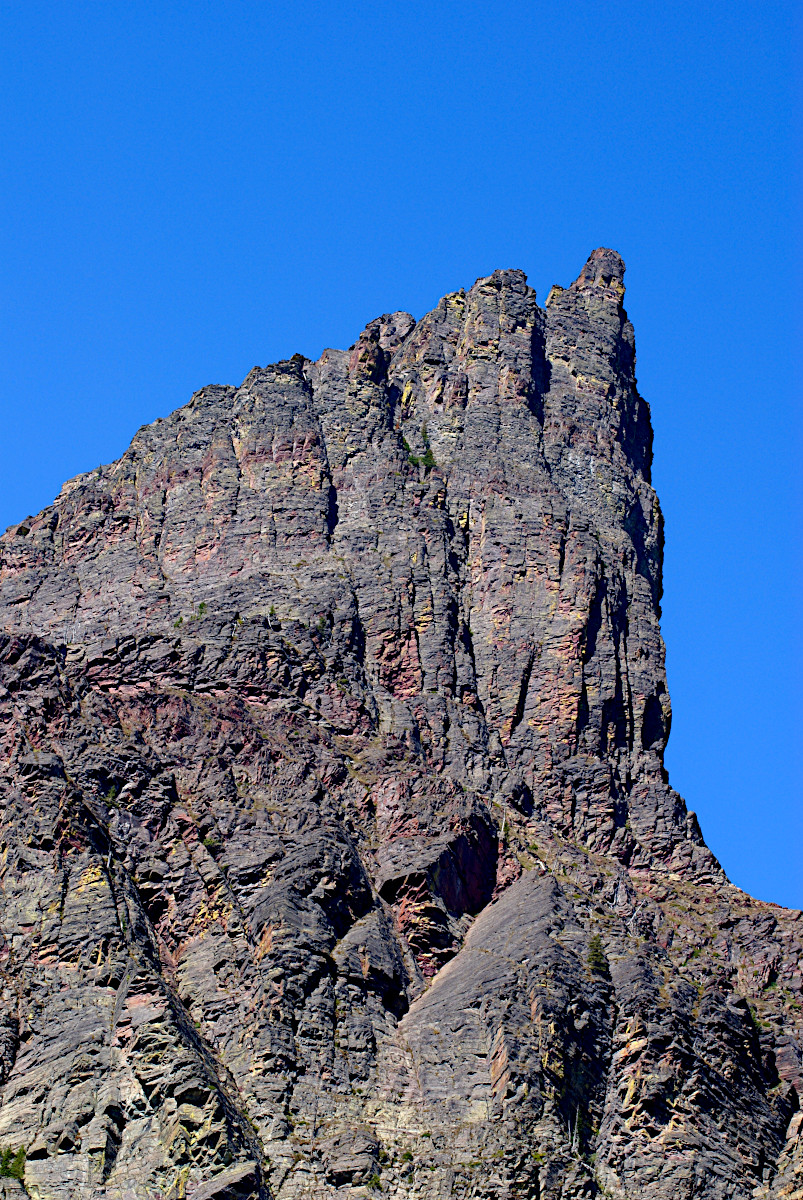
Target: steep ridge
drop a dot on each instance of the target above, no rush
(338, 853)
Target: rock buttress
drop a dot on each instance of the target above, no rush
(338, 849)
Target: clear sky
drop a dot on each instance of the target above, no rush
(189, 189)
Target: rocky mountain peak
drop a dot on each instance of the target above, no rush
(339, 852)
(604, 269)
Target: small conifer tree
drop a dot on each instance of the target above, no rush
(597, 959)
(12, 1166)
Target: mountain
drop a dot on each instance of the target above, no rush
(338, 853)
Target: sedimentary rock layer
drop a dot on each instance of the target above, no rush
(338, 853)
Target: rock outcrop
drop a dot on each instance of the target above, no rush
(338, 852)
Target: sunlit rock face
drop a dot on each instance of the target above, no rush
(338, 853)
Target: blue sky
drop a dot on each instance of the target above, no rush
(190, 189)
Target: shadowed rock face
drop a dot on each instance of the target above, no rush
(337, 847)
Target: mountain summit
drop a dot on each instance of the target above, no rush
(338, 852)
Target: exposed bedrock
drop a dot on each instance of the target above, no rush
(338, 852)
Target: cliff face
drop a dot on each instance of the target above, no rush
(338, 853)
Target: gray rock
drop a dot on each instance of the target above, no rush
(338, 850)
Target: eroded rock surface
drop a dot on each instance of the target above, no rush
(338, 853)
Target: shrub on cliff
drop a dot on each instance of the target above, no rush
(597, 959)
(12, 1165)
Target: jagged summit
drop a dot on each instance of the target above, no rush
(604, 268)
(339, 850)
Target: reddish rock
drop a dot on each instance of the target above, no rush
(338, 850)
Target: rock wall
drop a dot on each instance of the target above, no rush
(338, 853)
